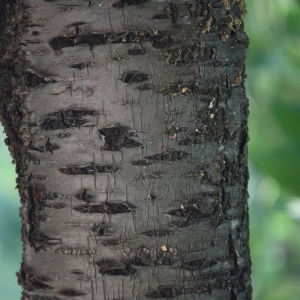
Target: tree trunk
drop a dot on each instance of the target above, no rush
(127, 121)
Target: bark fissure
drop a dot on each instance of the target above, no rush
(159, 39)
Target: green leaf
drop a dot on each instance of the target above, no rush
(288, 117)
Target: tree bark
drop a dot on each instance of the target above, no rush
(127, 121)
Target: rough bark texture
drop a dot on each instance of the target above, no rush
(127, 121)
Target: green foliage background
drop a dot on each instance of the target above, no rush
(273, 87)
(274, 159)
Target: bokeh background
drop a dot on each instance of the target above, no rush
(273, 88)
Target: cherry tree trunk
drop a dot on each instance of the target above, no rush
(127, 121)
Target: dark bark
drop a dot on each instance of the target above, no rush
(127, 121)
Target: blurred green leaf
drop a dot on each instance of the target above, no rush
(287, 289)
(282, 163)
(288, 116)
(292, 19)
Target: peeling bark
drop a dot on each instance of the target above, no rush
(127, 121)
